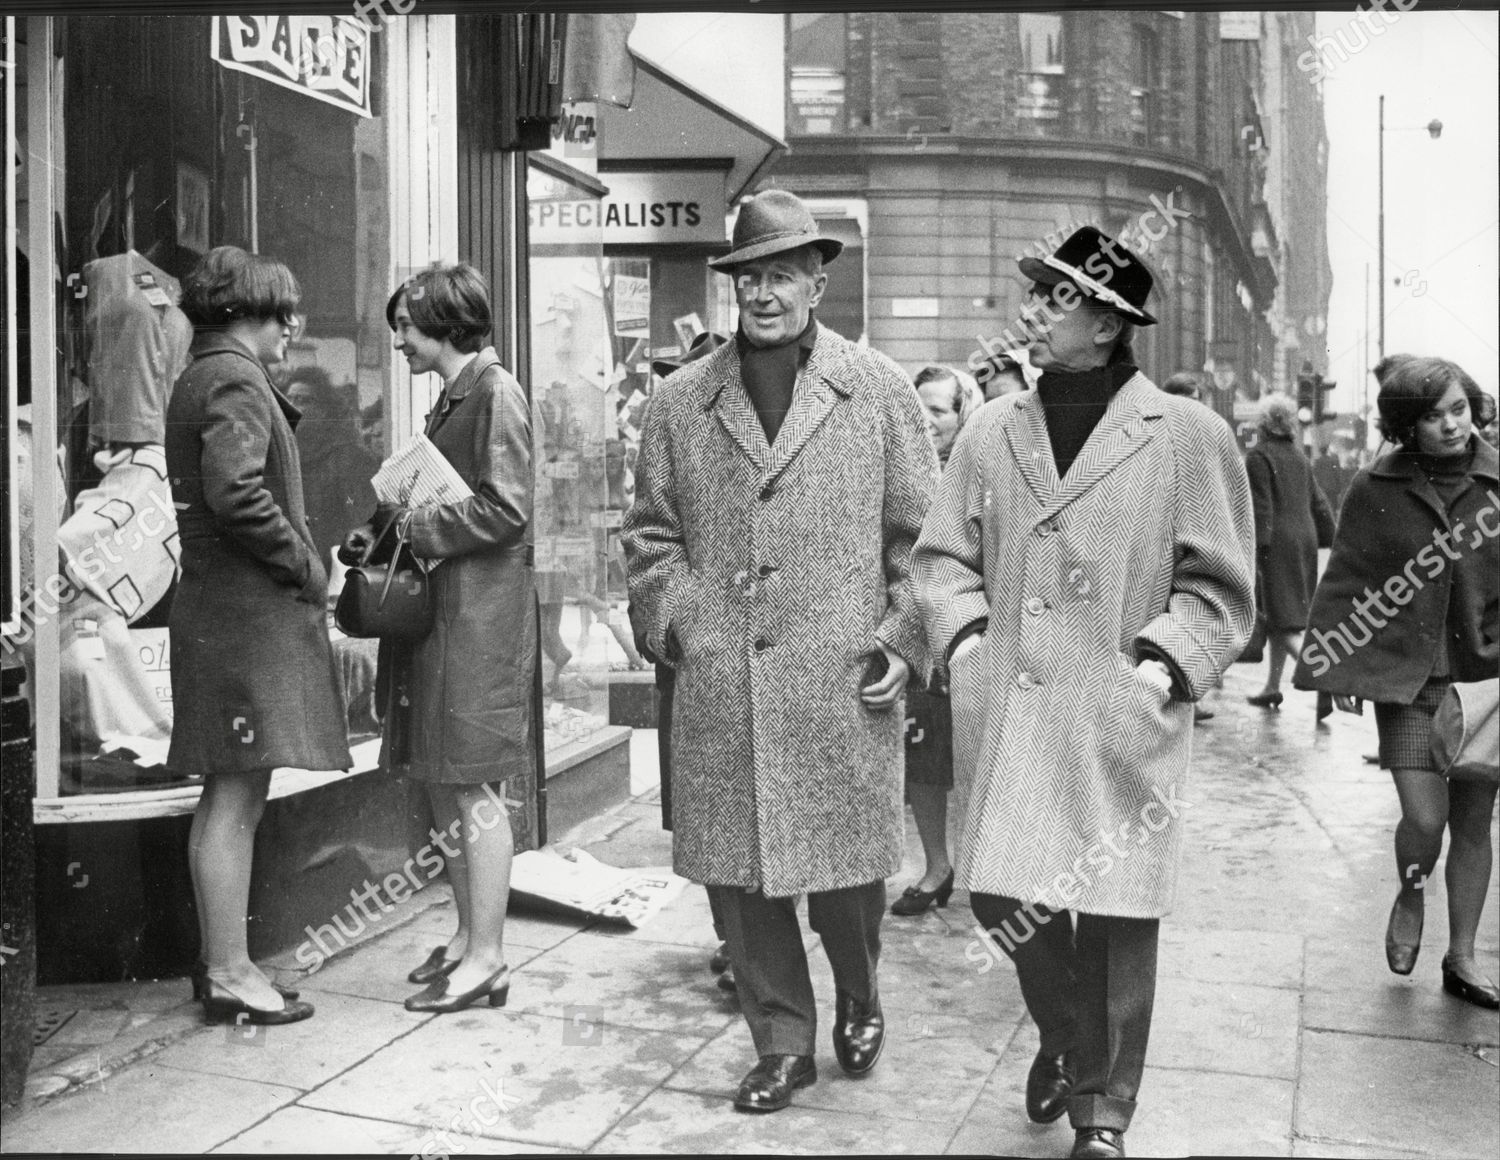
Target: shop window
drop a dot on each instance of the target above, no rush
(816, 70)
(1145, 85)
(169, 152)
(580, 499)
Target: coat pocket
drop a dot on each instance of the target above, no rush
(1135, 720)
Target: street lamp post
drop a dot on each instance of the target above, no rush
(1434, 129)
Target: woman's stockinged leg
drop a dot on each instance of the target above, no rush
(449, 824)
(221, 847)
(1467, 874)
(1419, 841)
(929, 805)
(488, 850)
(1282, 645)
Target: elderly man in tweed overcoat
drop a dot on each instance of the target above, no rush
(1087, 572)
(781, 486)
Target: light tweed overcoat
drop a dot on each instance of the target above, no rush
(1079, 766)
(778, 568)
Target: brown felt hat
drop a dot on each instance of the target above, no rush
(770, 223)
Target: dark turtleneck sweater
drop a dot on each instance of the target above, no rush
(770, 373)
(1073, 403)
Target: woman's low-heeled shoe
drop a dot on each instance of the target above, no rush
(1399, 956)
(437, 966)
(916, 901)
(200, 973)
(436, 998)
(222, 1005)
(1266, 700)
(1460, 988)
(718, 962)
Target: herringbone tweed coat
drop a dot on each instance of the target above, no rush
(1073, 800)
(778, 568)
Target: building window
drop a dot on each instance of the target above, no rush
(1145, 84)
(816, 68)
(1039, 84)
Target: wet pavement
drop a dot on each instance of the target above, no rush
(1278, 1029)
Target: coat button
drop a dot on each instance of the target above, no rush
(1026, 681)
(1044, 529)
(761, 644)
(767, 492)
(1036, 606)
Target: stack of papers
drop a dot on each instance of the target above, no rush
(419, 475)
(578, 883)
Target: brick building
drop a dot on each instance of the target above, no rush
(941, 145)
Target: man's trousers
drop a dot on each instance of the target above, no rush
(770, 964)
(1090, 992)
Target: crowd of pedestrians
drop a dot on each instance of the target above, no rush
(822, 554)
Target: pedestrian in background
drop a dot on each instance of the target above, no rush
(781, 487)
(951, 398)
(1418, 529)
(1186, 384)
(458, 712)
(1292, 521)
(254, 685)
(1085, 573)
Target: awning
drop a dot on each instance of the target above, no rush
(670, 120)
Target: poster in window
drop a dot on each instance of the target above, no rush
(192, 208)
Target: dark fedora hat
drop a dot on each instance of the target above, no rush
(701, 347)
(1102, 269)
(770, 223)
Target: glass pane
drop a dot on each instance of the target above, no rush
(168, 154)
(1041, 43)
(580, 496)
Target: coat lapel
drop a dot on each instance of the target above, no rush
(452, 396)
(820, 387)
(1031, 449)
(730, 402)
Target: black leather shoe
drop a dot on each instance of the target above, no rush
(1260, 701)
(770, 1084)
(718, 962)
(726, 981)
(1099, 1142)
(858, 1034)
(1048, 1085)
(1399, 956)
(915, 901)
(437, 966)
(437, 1000)
(1460, 988)
(221, 1005)
(199, 976)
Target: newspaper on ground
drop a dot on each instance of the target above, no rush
(577, 883)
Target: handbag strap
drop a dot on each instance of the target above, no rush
(390, 573)
(375, 543)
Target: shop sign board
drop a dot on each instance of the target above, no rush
(323, 57)
(1239, 25)
(665, 207)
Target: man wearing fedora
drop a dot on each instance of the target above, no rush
(780, 489)
(1086, 573)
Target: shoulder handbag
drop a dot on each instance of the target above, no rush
(1466, 732)
(392, 601)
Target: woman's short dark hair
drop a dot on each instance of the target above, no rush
(446, 302)
(1413, 387)
(228, 284)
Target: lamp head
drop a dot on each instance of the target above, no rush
(1435, 128)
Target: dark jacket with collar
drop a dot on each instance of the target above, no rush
(1433, 572)
(467, 686)
(254, 685)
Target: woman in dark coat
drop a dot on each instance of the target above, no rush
(1292, 519)
(254, 685)
(458, 704)
(1409, 604)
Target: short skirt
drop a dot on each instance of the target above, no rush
(929, 739)
(1406, 730)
